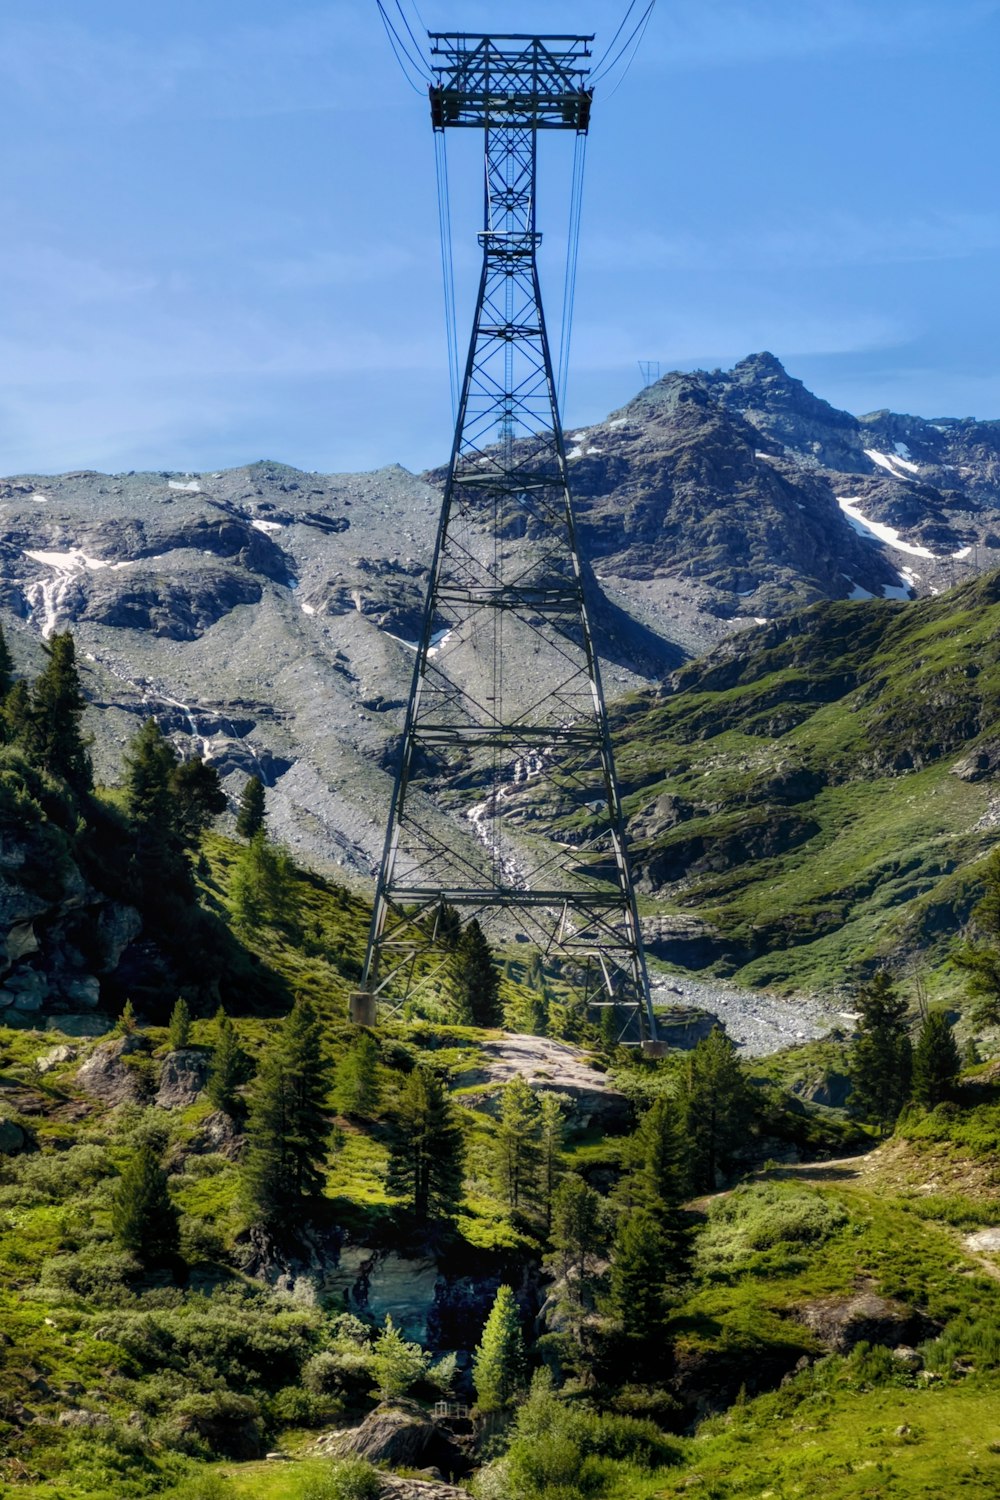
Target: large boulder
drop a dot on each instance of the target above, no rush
(13, 1138)
(106, 1074)
(842, 1322)
(400, 1434)
(182, 1078)
(547, 1066)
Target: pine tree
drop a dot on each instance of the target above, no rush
(198, 799)
(579, 1236)
(516, 1146)
(881, 1056)
(659, 1182)
(288, 1135)
(6, 667)
(355, 1089)
(250, 818)
(980, 956)
(15, 715)
(258, 892)
(426, 1149)
(551, 1134)
(637, 1298)
(150, 762)
(476, 981)
(936, 1062)
(179, 1030)
(229, 1067)
(499, 1365)
(396, 1363)
(53, 737)
(715, 1103)
(143, 1219)
(127, 1021)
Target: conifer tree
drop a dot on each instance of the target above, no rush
(659, 1182)
(127, 1021)
(476, 981)
(396, 1362)
(579, 1236)
(881, 1056)
(15, 715)
(179, 1030)
(229, 1067)
(149, 802)
(143, 1219)
(936, 1062)
(198, 798)
(258, 892)
(355, 1089)
(637, 1298)
(6, 667)
(250, 818)
(980, 956)
(288, 1135)
(52, 735)
(499, 1365)
(551, 1134)
(516, 1146)
(715, 1102)
(426, 1150)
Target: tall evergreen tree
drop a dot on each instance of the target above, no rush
(551, 1135)
(476, 981)
(881, 1056)
(6, 667)
(426, 1151)
(637, 1298)
(659, 1181)
(979, 956)
(143, 1219)
(499, 1365)
(715, 1101)
(229, 1067)
(198, 798)
(15, 715)
(355, 1089)
(516, 1146)
(579, 1236)
(288, 1134)
(258, 892)
(150, 762)
(250, 818)
(179, 1030)
(53, 736)
(936, 1062)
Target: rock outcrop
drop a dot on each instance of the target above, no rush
(547, 1066)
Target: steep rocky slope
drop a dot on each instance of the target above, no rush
(265, 615)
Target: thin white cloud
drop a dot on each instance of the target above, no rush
(836, 239)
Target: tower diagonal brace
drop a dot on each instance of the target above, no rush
(506, 693)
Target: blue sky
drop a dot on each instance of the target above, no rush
(221, 237)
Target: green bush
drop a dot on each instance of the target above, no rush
(966, 1344)
(98, 1272)
(294, 1407)
(348, 1479)
(766, 1217)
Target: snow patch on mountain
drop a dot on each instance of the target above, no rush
(876, 531)
(892, 462)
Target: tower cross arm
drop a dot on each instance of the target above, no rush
(510, 81)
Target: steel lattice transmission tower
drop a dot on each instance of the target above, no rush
(506, 690)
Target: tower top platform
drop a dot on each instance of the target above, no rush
(510, 82)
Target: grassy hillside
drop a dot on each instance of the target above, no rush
(795, 793)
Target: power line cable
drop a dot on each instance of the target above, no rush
(398, 49)
(572, 257)
(416, 45)
(447, 265)
(635, 36)
(621, 27)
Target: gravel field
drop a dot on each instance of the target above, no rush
(758, 1023)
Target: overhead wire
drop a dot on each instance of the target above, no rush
(400, 51)
(621, 27)
(447, 265)
(572, 257)
(416, 44)
(636, 35)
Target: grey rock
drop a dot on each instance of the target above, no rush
(81, 1025)
(842, 1322)
(106, 1075)
(182, 1078)
(547, 1066)
(55, 1058)
(83, 991)
(397, 1433)
(981, 763)
(20, 941)
(78, 1417)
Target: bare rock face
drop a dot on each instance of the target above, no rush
(842, 1322)
(106, 1075)
(552, 1067)
(394, 1488)
(401, 1434)
(981, 763)
(182, 1078)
